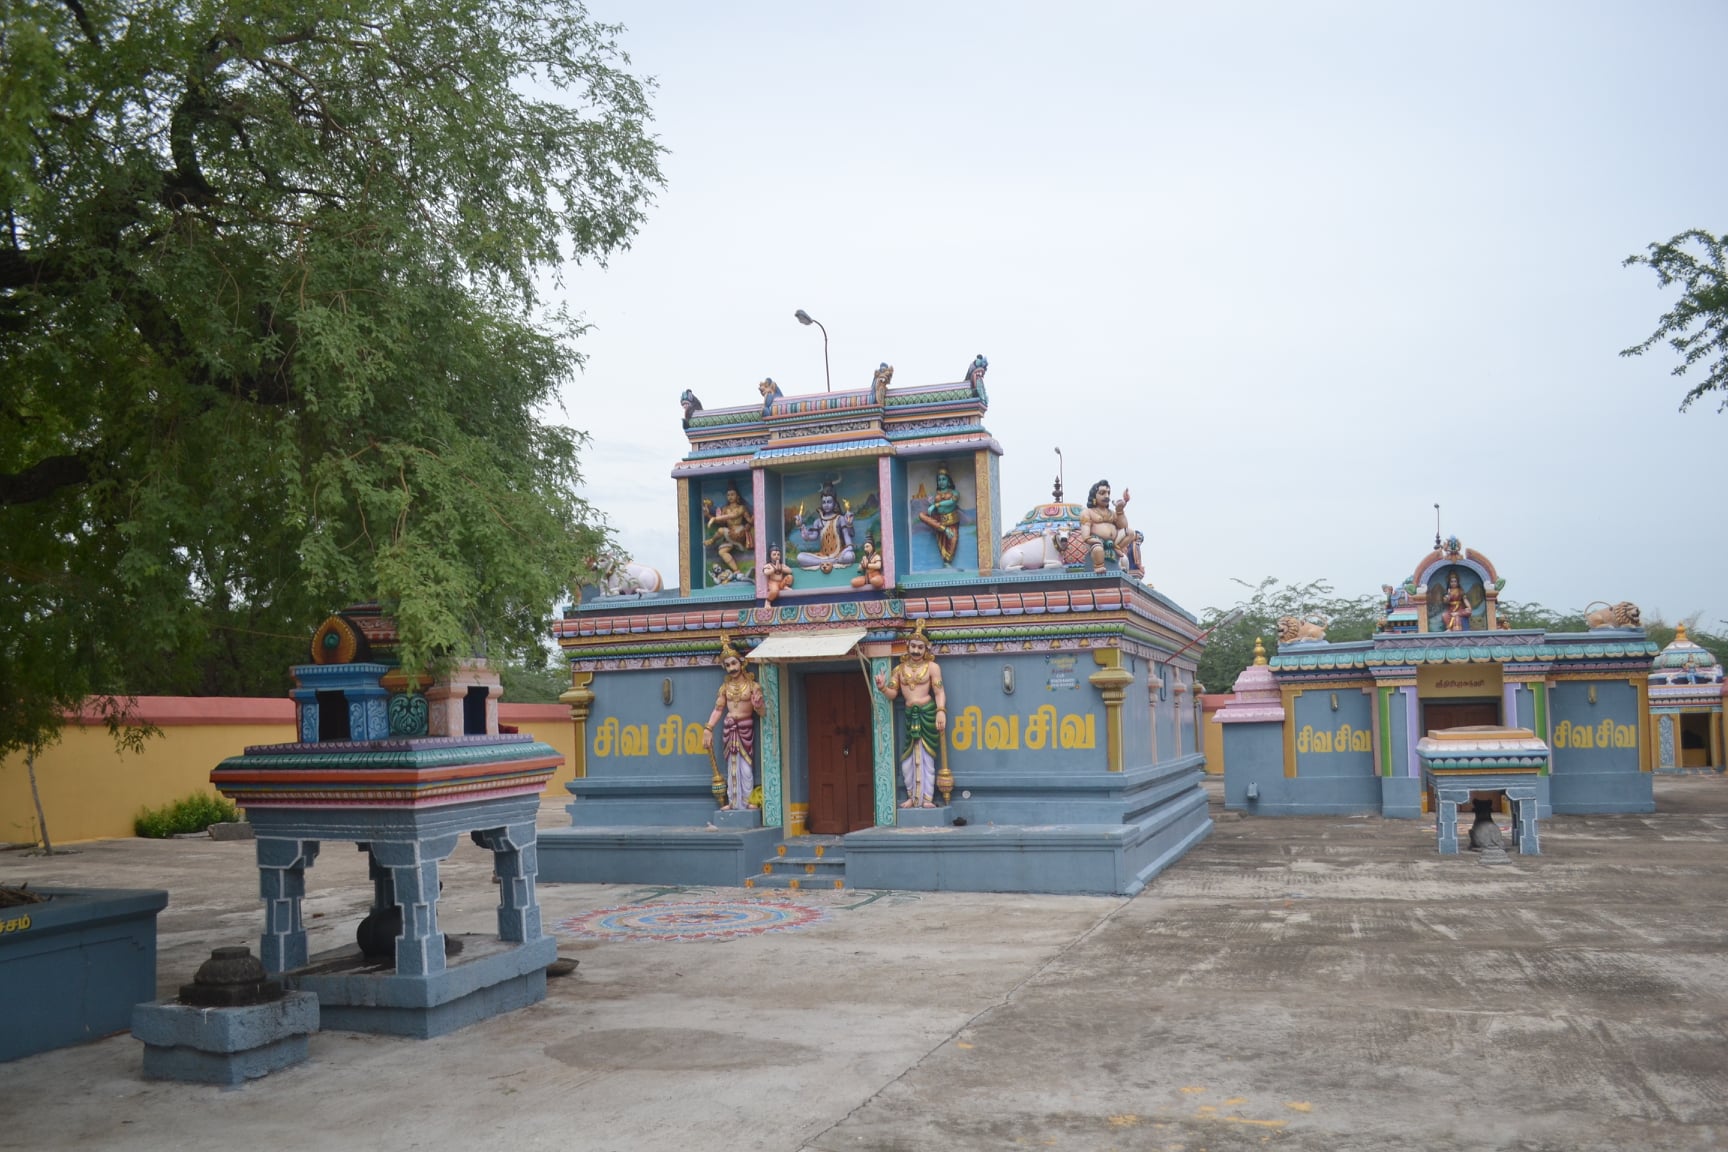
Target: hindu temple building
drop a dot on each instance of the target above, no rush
(1686, 691)
(860, 682)
(1446, 702)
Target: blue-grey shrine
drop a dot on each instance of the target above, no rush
(866, 678)
(1443, 705)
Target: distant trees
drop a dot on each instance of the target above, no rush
(1697, 325)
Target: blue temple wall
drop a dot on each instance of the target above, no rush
(1595, 748)
(645, 764)
(1335, 751)
(1254, 759)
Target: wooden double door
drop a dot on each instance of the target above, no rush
(839, 747)
(1438, 714)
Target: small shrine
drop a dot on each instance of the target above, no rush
(401, 766)
(862, 679)
(1446, 704)
(1686, 689)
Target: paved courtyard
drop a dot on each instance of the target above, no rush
(1307, 983)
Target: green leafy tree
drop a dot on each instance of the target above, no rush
(1697, 326)
(272, 329)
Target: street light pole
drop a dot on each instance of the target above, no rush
(806, 319)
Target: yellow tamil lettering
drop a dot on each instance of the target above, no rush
(606, 737)
(1362, 741)
(633, 741)
(1626, 736)
(693, 739)
(968, 730)
(1605, 734)
(1041, 727)
(1002, 733)
(1305, 739)
(1563, 734)
(666, 740)
(1583, 736)
(1341, 739)
(1078, 731)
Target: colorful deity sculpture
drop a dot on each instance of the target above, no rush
(869, 567)
(1104, 527)
(1455, 606)
(738, 703)
(879, 382)
(943, 514)
(919, 678)
(830, 531)
(770, 393)
(777, 573)
(734, 528)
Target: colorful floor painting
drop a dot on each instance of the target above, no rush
(688, 920)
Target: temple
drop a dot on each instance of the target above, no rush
(860, 681)
(1446, 703)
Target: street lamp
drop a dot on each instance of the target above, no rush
(806, 319)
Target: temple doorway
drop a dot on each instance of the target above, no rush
(838, 745)
(1438, 714)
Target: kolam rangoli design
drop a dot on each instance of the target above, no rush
(687, 920)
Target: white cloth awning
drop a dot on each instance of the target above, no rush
(808, 645)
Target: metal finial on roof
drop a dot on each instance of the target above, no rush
(1056, 489)
(1259, 651)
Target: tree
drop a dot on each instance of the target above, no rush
(1697, 326)
(273, 336)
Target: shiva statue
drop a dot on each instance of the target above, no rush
(919, 677)
(943, 515)
(830, 530)
(1103, 527)
(739, 702)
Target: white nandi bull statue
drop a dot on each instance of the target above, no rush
(622, 576)
(1022, 550)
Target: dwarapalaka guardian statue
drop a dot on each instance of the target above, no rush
(919, 677)
(739, 701)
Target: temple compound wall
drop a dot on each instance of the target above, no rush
(864, 664)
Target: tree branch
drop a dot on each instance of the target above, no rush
(43, 479)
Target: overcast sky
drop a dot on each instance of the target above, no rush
(1291, 272)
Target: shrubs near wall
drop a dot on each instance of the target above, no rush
(195, 813)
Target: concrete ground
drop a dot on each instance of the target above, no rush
(1300, 983)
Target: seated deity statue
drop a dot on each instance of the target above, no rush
(830, 531)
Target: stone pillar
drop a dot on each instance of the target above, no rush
(768, 740)
(414, 871)
(515, 861)
(1112, 683)
(885, 772)
(282, 868)
(1524, 836)
(1446, 801)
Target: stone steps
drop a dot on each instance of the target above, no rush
(804, 862)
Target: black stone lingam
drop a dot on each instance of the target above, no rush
(231, 978)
